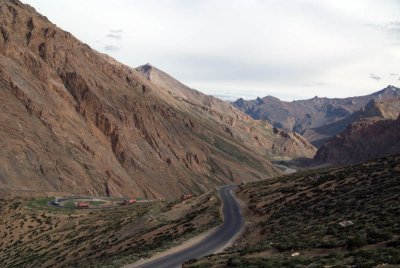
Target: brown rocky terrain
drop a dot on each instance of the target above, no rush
(256, 134)
(384, 109)
(77, 121)
(317, 119)
(370, 137)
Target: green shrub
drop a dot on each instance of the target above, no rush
(355, 242)
(374, 236)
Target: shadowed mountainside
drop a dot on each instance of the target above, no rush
(376, 133)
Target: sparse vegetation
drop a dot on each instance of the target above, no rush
(331, 217)
(35, 234)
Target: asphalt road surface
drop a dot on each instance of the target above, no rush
(232, 224)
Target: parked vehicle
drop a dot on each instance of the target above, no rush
(82, 205)
(129, 201)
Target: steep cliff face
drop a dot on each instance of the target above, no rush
(317, 119)
(258, 135)
(375, 133)
(77, 121)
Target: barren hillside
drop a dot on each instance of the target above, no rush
(365, 139)
(77, 121)
(259, 135)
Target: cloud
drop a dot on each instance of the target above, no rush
(394, 26)
(320, 84)
(391, 29)
(236, 46)
(393, 74)
(111, 48)
(227, 97)
(115, 36)
(116, 31)
(375, 77)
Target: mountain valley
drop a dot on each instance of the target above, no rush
(108, 165)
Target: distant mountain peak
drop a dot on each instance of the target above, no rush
(392, 87)
(146, 67)
(239, 103)
(321, 118)
(259, 101)
(270, 97)
(389, 90)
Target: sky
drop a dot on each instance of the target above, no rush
(293, 49)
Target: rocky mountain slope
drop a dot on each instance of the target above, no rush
(316, 119)
(371, 136)
(344, 217)
(183, 92)
(384, 109)
(77, 121)
(222, 114)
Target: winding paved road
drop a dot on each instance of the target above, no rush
(233, 222)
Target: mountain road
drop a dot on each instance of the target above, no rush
(214, 241)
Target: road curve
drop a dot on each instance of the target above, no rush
(233, 222)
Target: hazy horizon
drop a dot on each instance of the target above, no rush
(234, 49)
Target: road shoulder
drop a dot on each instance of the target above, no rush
(188, 243)
(243, 211)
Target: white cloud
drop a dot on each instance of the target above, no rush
(117, 31)
(246, 47)
(115, 36)
(375, 77)
(111, 48)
